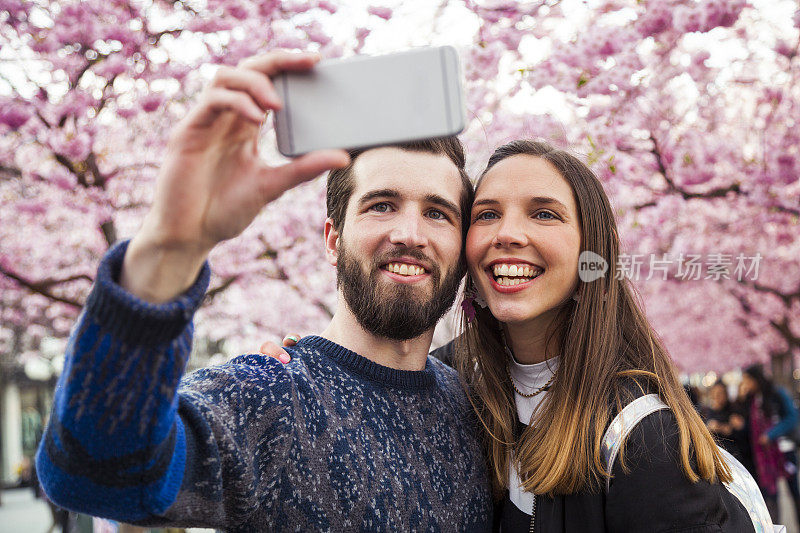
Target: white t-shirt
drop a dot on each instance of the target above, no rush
(527, 378)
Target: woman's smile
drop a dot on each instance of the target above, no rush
(510, 275)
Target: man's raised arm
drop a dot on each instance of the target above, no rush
(123, 442)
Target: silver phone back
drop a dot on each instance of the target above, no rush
(370, 100)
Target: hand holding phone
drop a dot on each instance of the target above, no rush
(213, 183)
(368, 101)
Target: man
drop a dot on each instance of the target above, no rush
(362, 431)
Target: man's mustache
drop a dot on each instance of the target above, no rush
(408, 253)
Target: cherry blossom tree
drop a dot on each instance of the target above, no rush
(686, 109)
(88, 93)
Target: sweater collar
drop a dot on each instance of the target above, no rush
(363, 367)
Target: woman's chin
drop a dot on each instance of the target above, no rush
(511, 315)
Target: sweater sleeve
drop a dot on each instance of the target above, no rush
(124, 441)
(653, 493)
(788, 412)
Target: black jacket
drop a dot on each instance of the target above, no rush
(653, 496)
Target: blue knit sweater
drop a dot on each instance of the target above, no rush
(330, 442)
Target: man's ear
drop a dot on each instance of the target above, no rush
(331, 242)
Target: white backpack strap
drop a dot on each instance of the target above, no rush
(623, 424)
(743, 486)
(746, 490)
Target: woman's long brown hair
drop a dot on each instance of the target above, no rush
(609, 354)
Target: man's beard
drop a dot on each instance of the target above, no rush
(397, 312)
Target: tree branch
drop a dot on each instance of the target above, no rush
(109, 232)
(66, 163)
(786, 332)
(13, 172)
(227, 282)
(787, 210)
(43, 287)
(89, 64)
(786, 298)
(781, 327)
(99, 178)
(672, 187)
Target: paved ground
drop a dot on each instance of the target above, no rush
(22, 513)
(787, 514)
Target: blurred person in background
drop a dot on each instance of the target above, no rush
(717, 417)
(771, 416)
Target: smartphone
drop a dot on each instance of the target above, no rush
(367, 101)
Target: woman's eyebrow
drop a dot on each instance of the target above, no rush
(536, 200)
(547, 200)
(486, 201)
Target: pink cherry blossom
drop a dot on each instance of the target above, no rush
(379, 11)
(697, 154)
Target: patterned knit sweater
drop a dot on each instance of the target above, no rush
(328, 442)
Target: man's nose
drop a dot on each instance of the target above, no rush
(408, 231)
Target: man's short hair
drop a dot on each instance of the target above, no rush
(340, 181)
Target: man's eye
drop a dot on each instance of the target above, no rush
(437, 215)
(381, 207)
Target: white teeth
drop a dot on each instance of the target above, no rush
(510, 282)
(405, 269)
(501, 270)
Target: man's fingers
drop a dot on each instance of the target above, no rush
(254, 83)
(273, 350)
(217, 100)
(279, 60)
(305, 167)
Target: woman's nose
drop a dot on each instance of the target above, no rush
(510, 233)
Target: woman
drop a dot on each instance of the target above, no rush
(725, 422)
(770, 415)
(552, 358)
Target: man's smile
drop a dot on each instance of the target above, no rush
(405, 271)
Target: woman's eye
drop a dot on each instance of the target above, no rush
(545, 215)
(486, 215)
